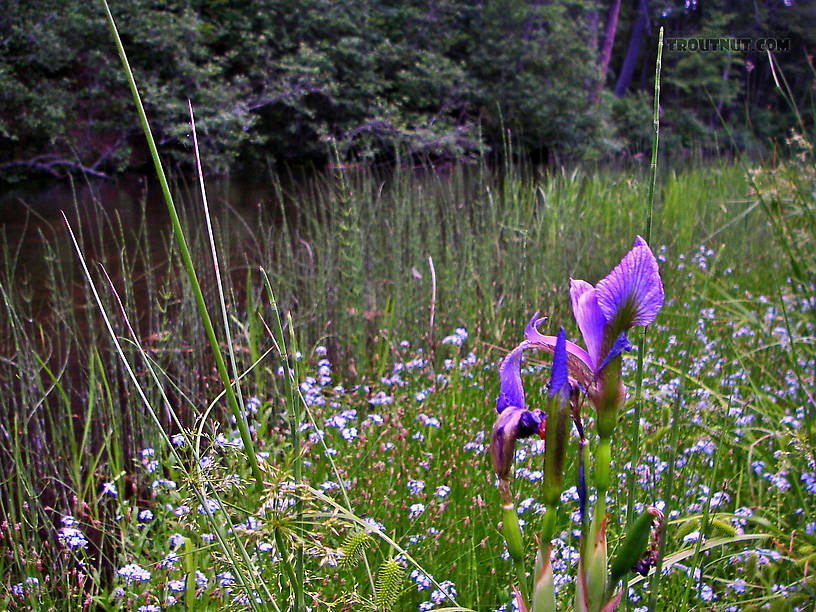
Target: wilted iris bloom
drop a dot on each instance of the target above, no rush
(514, 420)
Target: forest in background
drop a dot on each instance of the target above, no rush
(284, 81)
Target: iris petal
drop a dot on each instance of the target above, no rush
(620, 344)
(589, 316)
(511, 391)
(558, 378)
(579, 363)
(633, 289)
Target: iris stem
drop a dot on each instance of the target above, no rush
(515, 546)
(524, 587)
(548, 527)
(603, 460)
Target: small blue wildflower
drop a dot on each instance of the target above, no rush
(416, 486)
(176, 539)
(212, 506)
(145, 515)
(109, 488)
(422, 581)
(133, 572)
(442, 491)
(458, 336)
(430, 421)
(176, 585)
(381, 397)
(349, 433)
(416, 509)
(200, 579)
(252, 404)
(706, 592)
(373, 524)
(447, 589)
(161, 482)
(69, 521)
(178, 439)
(72, 537)
(225, 578)
(526, 503)
(169, 561)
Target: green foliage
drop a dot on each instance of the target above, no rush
(280, 81)
(275, 80)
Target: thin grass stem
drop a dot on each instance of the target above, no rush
(232, 402)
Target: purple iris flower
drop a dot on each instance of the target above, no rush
(630, 295)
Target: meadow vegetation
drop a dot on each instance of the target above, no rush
(323, 445)
(106, 507)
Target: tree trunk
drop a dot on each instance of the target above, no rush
(633, 51)
(606, 48)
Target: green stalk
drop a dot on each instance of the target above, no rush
(634, 427)
(232, 401)
(300, 601)
(515, 543)
(656, 137)
(548, 526)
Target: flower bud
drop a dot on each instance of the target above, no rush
(632, 548)
(556, 426)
